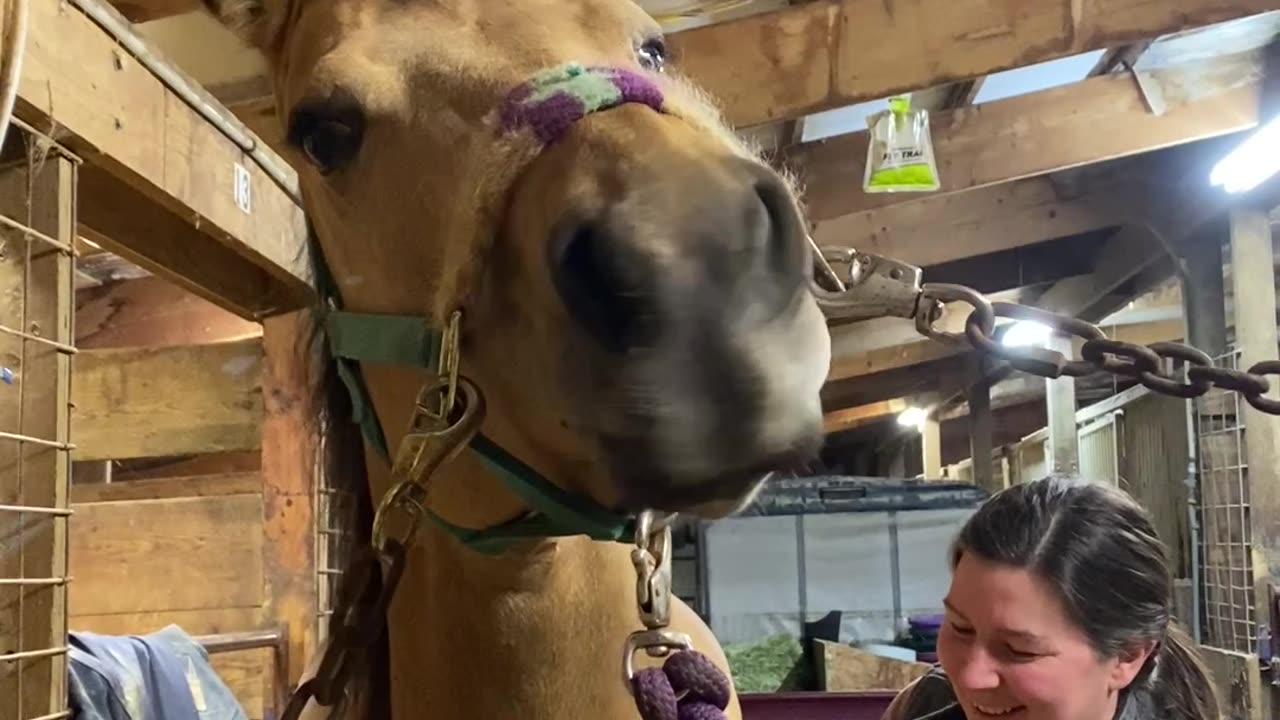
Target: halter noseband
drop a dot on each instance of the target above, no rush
(546, 106)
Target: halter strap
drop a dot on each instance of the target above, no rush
(546, 105)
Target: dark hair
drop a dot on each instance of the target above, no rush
(1098, 550)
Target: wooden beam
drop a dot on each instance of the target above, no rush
(938, 229)
(850, 418)
(817, 56)
(153, 312)
(149, 402)
(1091, 121)
(159, 158)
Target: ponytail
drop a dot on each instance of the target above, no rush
(1178, 680)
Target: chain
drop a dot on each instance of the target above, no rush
(651, 557)
(688, 684)
(906, 297)
(446, 416)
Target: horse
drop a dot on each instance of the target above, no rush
(620, 280)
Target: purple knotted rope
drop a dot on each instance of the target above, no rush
(688, 686)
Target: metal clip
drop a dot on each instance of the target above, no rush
(432, 439)
(658, 643)
(653, 572)
(874, 286)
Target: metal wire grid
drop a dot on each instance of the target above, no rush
(335, 509)
(1225, 546)
(37, 271)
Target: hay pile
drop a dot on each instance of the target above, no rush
(774, 664)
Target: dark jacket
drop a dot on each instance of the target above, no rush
(930, 697)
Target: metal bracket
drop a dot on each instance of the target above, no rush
(872, 286)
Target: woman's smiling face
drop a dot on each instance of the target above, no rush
(1012, 652)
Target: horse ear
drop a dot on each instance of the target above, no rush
(249, 19)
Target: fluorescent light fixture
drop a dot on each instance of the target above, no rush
(912, 417)
(1026, 332)
(1250, 164)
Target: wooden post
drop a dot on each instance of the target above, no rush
(1253, 285)
(290, 463)
(36, 277)
(1203, 309)
(1203, 290)
(931, 447)
(980, 429)
(1060, 397)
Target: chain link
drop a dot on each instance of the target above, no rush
(651, 558)
(1151, 365)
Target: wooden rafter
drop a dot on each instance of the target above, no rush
(152, 159)
(1047, 131)
(817, 56)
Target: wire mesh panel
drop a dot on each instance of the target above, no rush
(1225, 548)
(37, 265)
(335, 541)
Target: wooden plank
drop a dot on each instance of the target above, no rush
(1257, 337)
(174, 487)
(248, 674)
(290, 450)
(153, 312)
(142, 232)
(942, 228)
(816, 56)
(989, 144)
(37, 281)
(171, 554)
(123, 119)
(144, 402)
(850, 418)
(1239, 682)
(843, 668)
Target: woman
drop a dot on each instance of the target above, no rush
(1059, 609)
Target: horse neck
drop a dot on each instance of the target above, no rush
(459, 609)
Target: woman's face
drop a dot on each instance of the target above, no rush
(1011, 651)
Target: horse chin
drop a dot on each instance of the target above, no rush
(643, 487)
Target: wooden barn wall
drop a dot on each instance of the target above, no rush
(191, 533)
(1153, 469)
(186, 551)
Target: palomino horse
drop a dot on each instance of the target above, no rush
(632, 288)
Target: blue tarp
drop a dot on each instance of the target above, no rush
(165, 675)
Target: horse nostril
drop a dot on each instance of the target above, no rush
(787, 248)
(600, 292)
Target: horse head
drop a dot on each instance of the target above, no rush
(632, 277)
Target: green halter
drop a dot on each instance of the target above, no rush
(544, 107)
(408, 341)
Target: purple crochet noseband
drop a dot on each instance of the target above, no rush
(551, 101)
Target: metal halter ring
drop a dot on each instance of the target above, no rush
(657, 642)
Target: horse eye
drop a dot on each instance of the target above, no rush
(652, 54)
(328, 132)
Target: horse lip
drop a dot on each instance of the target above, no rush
(664, 494)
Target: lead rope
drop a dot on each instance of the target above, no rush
(688, 685)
